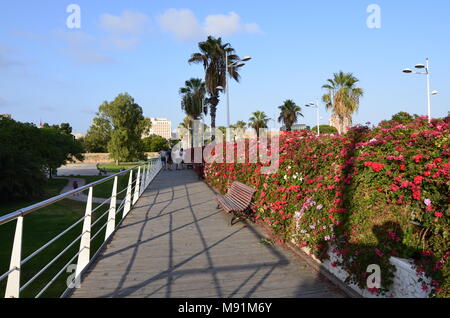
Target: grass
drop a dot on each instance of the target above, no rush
(112, 167)
(40, 227)
(104, 190)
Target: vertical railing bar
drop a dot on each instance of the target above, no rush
(112, 211)
(85, 243)
(13, 284)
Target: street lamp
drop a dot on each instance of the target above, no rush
(238, 63)
(317, 106)
(427, 73)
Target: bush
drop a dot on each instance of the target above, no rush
(369, 194)
(326, 130)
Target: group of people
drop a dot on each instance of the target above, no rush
(168, 160)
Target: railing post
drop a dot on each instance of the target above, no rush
(149, 171)
(85, 243)
(13, 285)
(112, 211)
(127, 207)
(137, 187)
(143, 180)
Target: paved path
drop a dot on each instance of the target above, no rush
(175, 243)
(80, 196)
(79, 169)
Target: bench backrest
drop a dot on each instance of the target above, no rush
(241, 192)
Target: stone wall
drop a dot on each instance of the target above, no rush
(104, 157)
(406, 282)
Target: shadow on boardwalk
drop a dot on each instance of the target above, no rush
(175, 243)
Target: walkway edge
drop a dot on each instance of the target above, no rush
(327, 275)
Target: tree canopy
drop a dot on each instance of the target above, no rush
(27, 153)
(119, 127)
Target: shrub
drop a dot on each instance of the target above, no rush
(369, 194)
(326, 129)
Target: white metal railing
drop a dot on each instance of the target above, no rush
(146, 172)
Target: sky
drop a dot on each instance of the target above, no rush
(56, 74)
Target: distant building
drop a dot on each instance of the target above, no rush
(78, 135)
(161, 127)
(6, 115)
(175, 135)
(297, 127)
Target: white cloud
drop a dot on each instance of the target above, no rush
(185, 26)
(129, 22)
(182, 23)
(124, 31)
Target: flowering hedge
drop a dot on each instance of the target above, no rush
(368, 195)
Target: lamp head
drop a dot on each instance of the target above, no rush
(407, 71)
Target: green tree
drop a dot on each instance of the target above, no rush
(289, 113)
(27, 153)
(128, 125)
(212, 56)
(258, 121)
(241, 124)
(325, 129)
(403, 117)
(192, 101)
(59, 148)
(98, 135)
(342, 97)
(155, 143)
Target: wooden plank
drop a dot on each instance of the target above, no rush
(175, 243)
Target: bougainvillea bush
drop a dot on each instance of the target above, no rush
(367, 195)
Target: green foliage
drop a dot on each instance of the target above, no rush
(289, 113)
(155, 143)
(325, 129)
(258, 121)
(27, 153)
(404, 118)
(364, 196)
(120, 124)
(212, 56)
(98, 135)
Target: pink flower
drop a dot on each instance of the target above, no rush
(379, 253)
(427, 202)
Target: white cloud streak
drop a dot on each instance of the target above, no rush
(183, 24)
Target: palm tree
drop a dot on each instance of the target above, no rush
(289, 113)
(258, 120)
(213, 55)
(342, 97)
(241, 124)
(192, 101)
(193, 95)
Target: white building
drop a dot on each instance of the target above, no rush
(161, 127)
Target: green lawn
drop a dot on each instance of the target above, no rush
(104, 190)
(112, 167)
(39, 227)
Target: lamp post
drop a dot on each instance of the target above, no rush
(427, 73)
(316, 105)
(238, 63)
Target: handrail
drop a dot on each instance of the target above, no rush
(24, 211)
(137, 184)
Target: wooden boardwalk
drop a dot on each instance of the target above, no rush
(175, 243)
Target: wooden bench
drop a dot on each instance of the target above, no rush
(237, 200)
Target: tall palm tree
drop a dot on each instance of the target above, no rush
(258, 120)
(213, 56)
(289, 113)
(192, 102)
(342, 97)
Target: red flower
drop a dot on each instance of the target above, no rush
(438, 214)
(418, 180)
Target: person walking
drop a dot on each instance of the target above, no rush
(75, 186)
(169, 159)
(163, 155)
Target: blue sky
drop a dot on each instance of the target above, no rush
(57, 74)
